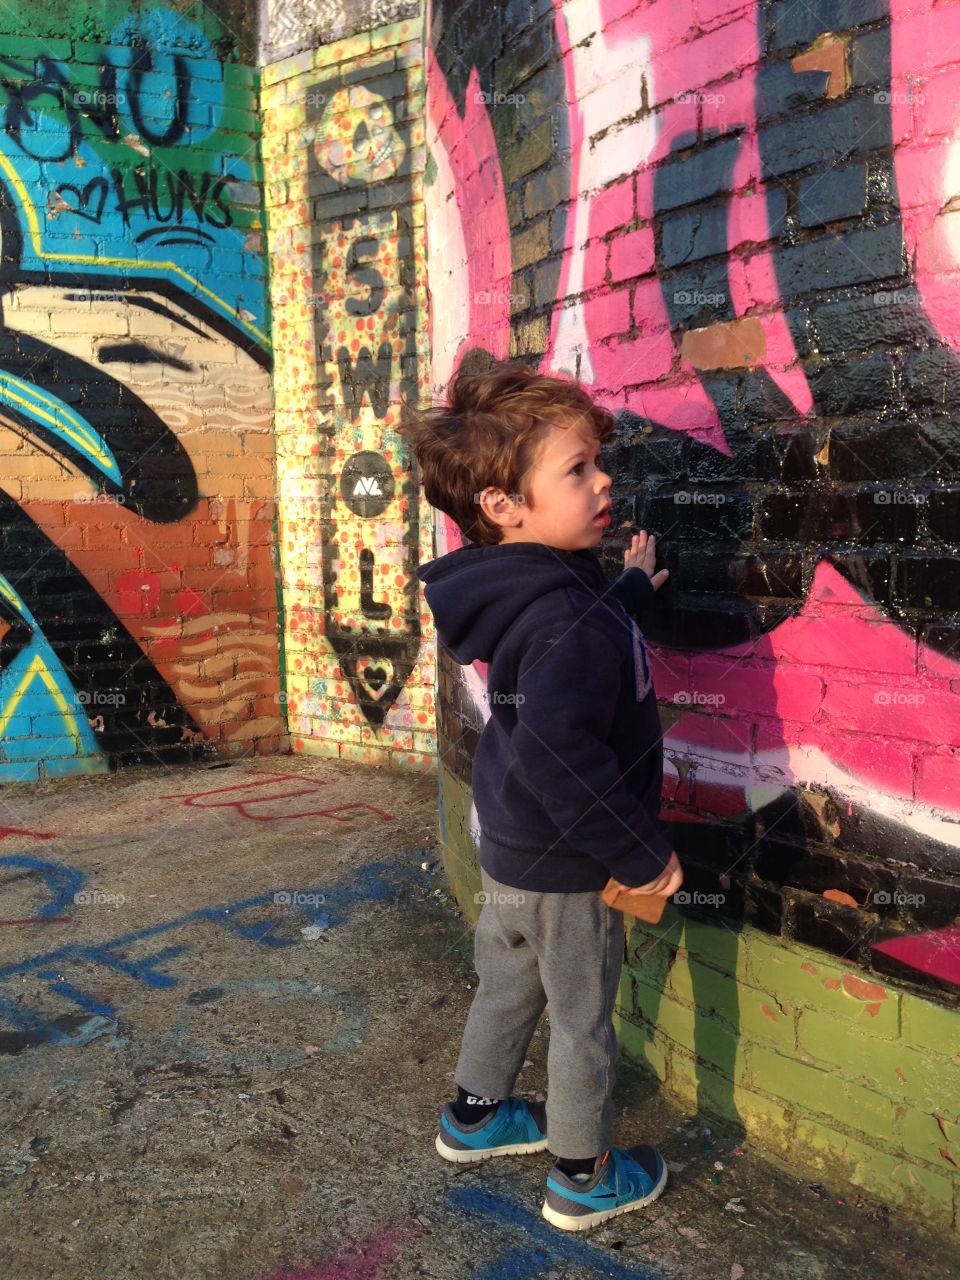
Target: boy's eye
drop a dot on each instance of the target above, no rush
(580, 465)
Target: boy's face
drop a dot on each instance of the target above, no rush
(568, 495)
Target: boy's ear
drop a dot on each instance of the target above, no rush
(502, 508)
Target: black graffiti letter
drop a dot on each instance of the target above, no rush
(362, 376)
(142, 63)
(364, 275)
(371, 608)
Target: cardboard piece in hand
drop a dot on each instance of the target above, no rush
(648, 907)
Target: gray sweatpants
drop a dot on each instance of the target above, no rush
(531, 948)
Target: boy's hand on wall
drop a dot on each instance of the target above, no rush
(642, 554)
(666, 884)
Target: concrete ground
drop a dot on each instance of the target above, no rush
(230, 1005)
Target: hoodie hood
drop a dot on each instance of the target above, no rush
(476, 592)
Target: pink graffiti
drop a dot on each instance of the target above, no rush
(799, 705)
(362, 1263)
(477, 246)
(936, 953)
(838, 694)
(924, 93)
(648, 52)
(831, 695)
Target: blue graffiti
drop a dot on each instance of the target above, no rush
(158, 80)
(36, 690)
(156, 51)
(60, 419)
(61, 882)
(543, 1245)
(374, 882)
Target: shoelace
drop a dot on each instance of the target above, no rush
(514, 1114)
(626, 1179)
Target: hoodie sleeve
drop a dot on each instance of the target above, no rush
(570, 684)
(633, 589)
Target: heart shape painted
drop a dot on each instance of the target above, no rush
(83, 198)
(374, 677)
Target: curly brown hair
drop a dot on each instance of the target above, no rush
(487, 433)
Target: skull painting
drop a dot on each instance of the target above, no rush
(356, 139)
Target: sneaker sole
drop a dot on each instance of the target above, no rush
(475, 1156)
(568, 1222)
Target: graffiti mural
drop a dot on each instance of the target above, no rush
(738, 232)
(137, 587)
(344, 162)
(41, 1005)
(264, 791)
(358, 150)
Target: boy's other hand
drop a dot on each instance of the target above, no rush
(642, 554)
(666, 884)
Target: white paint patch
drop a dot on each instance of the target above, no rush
(608, 80)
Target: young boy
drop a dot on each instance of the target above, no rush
(566, 777)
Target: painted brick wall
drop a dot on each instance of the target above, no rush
(138, 603)
(852, 1078)
(734, 221)
(344, 161)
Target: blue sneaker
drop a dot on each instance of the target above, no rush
(516, 1128)
(621, 1181)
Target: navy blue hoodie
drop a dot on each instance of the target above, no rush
(568, 771)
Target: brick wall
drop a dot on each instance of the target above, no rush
(853, 1079)
(344, 162)
(735, 222)
(138, 607)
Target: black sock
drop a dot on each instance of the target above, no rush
(576, 1166)
(469, 1109)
